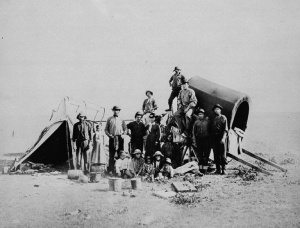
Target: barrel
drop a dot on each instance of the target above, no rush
(115, 184)
(136, 183)
(97, 168)
(74, 174)
(95, 177)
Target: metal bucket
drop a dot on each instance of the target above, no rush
(136, 183)
(115, 184)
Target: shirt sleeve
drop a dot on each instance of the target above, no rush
(224, 119)
(193, 99)
(154, 105)
(144, 104)
(124, 126)
(171, 79)
(107, 127)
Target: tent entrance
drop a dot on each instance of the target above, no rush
(56, 149)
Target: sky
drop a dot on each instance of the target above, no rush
(111, 52)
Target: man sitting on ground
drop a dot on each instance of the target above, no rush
(137, 163)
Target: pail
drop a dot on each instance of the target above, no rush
(95, 177)
(74, 174)
(115, 184)
(136, 183)
(5, 169)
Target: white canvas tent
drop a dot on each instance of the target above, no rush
(54, 143)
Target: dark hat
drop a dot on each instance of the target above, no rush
(217, 106)
(139, 113)
(149, 91)
(152, 115)
(81, 114)
(137, 151)
(158, 153)
(116, 108)
(184, 80)
(176, 68)
(168, 160)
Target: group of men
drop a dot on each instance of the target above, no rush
(145, 131)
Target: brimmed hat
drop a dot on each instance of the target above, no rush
(137, 151)
(81, 114)
(217, 106)
(152, 115)
(184, 80)
(139, 113)
(116, 108)
(168, 160)
(158, 153)
(176, 68)
(149, 91)
(201, 111)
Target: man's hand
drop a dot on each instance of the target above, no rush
(74, 147)
(156, 143)
(223, 140)
(186, 110)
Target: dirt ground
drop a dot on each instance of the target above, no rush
(46, 200)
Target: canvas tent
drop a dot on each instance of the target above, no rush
(54, 146)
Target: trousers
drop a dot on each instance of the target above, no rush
(183, 119)
(219, 152)
(174, 93)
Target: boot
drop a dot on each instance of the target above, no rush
(217, 170)
(224, 170)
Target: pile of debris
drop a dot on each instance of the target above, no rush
(32, 168)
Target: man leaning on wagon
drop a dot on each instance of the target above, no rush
(114, 129)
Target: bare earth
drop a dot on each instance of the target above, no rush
(226, 201)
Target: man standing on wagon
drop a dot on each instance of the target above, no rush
(114, 129)
(175, 82)
(219, 135)
(186, 103)
(149, 106)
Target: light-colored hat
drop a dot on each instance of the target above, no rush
(81, 114)
(158, 153)
(168, 160)
(137, 151)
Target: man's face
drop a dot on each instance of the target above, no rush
(137, 155)
(177, 71)
(184, 86)
(138, 118)
(116, 112)
(217, 111)
(201, 115)
(151, 120)
(97, 128)
(149, 95)
(157, 158)
(170, 138)
(81, 118)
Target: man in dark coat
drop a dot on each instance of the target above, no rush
(170, 150)
(137, 133)
(219, 135)
(114, 129)
(175, 82)
(153, 137)
(82, 138)
(201, 136)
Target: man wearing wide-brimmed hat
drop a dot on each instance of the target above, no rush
(201, 136)
(82, 138)
(175, 82)
(137, 132)
(149, 106)
(114, 129)
(186, 103)
(219, 135)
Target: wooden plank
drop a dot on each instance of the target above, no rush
(263, 160)
(248, 164)
(184, 187)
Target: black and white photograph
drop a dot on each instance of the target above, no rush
(127, 113)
